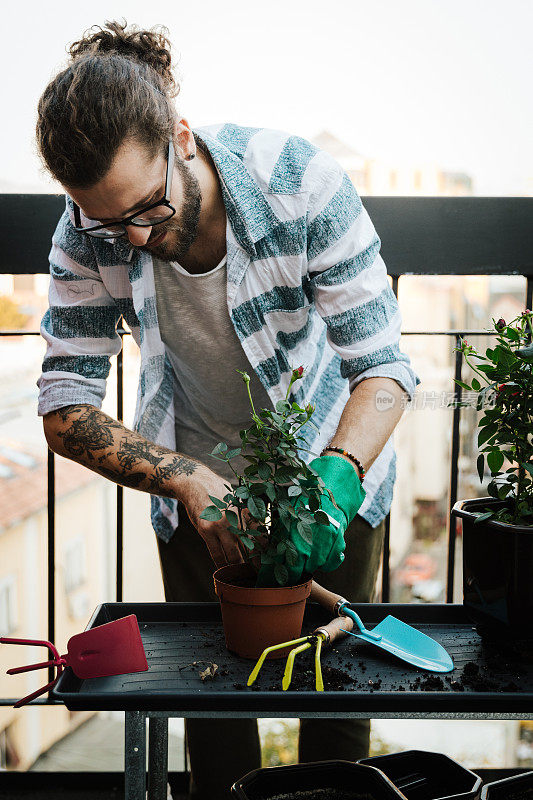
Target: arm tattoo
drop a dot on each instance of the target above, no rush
(87, 433)
(131, 452)
(178, 466)
(101, 443)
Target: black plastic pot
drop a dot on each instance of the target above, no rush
(422, 775)
(262, 784)
(518, 788)
(497, 568)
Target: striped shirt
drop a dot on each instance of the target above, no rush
(306, 285)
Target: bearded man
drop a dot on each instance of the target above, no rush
(223, 248)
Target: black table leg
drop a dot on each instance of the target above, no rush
(158, 758)
(135, 756)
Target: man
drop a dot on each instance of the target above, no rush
(223, 248)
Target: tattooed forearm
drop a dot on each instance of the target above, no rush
(88, 431)
(132, 452)
(97, 441)
(165, 472)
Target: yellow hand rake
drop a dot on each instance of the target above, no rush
(320, 637)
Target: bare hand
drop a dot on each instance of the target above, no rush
(223, 546)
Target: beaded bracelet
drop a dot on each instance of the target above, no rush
(355, 460)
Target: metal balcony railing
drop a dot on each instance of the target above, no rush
(420, 236)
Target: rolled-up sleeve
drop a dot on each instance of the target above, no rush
(351, 290)
(79, 327)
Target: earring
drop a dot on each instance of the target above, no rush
(191, 156)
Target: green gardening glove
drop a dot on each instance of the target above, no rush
(327, 549)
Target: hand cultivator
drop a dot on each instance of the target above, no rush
(391, 634)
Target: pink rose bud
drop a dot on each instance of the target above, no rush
(309, 408)
(501, 324)
(297, 373)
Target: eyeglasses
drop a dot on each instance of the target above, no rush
(153, 214)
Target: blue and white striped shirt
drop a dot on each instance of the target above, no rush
(306, 285)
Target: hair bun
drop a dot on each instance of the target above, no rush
(152, 47)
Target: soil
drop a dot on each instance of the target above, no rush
(499, 671)
(323, 794)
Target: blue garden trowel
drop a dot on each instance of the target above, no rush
(391, 634)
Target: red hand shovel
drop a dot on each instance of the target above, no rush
(115, 648)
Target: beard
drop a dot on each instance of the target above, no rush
(181, 230)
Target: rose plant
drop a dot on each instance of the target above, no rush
(503, 383)
(277, 490)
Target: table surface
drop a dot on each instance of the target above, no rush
(181, 639)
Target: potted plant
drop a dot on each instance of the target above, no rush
(498, 530)
(277, 508)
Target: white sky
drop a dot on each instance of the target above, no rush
(445, 81)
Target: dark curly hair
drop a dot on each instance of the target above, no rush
(117, 86)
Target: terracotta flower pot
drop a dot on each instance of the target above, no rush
(257, 618)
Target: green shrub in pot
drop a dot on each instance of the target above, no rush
(498, 530)
(503, 382)
(281, 509)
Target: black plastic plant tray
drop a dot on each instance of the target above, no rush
(177, 634)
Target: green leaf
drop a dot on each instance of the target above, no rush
(211, 513)
(529, 468)
(321, 517)
(305, 532)
(243, 492)
(482, 517)
(294, 491)
(281, 574)
(232, 518)
(235, 530)
(314, 502)
(270, 492)
(495, 461)
(487, 433)
(219, 449)
(247, 542)
(251, 470)
(256, 507)
(217, 502)
(480, 466)
(281, 547)
(232, 453)
(282, 406)
(463, 385)
(492, 489)
(504, 490)
(291, 555)
(264, 471)
(476, 384)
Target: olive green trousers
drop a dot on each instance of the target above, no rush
(223, 750)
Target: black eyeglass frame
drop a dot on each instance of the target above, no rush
(129, 220)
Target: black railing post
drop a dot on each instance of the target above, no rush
(454, 471)
(51, 513)
(120, 490)
(385, 569)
